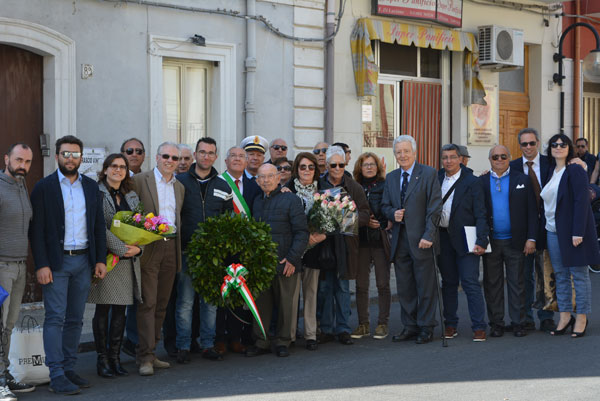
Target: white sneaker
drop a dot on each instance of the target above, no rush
(6, 394)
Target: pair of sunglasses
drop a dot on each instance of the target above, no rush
(503, 157)
(336, 165)
(555, 145)
(321, 150)
(310, 167)
(284, 168)
(277, 147)
(166, 157)
(137, 151)
(525, 144)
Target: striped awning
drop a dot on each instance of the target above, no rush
(368, 29)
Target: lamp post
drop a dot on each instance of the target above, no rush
(591, 65)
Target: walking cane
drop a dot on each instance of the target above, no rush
(439, 289)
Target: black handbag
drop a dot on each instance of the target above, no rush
(326, 258)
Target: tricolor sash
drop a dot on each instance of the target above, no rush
(239, 203)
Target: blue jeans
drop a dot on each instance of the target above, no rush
(64, 303)
(534, 268)
(183, 314)
(455, 268)
(564, 291)
(336, 304)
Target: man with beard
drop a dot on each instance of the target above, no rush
(68, 240)
(15, 212)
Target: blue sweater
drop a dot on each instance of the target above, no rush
(501, 209)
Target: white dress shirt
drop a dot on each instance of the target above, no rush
(76, 236)
(166, 197)
(536, 167)
(447, 207)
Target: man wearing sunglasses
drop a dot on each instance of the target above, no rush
(513, 220)
(277, 150)
(537, 167)
(68, 241)
(581, 145)
(162, 195)
(135, 153)
(319, 151)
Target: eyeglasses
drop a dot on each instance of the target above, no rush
(284, 168)
(555, 145)
(118, 166)
(277, 147)
(369, 165)
(166, 157)
(304, 167)
(321, 150)
(137, 151)
(451, 157)
(66, 154)
(204, 153)
(336, 165)
(266, 177)
(502, 156)
(525, 144)
(581, 146)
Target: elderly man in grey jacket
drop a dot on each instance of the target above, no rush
(284, 213)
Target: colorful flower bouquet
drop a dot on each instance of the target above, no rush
(133, 228)
(333, 211)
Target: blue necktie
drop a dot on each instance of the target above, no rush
(403, 189)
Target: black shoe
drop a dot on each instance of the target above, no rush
(62, 385)
(577, 334)
(497, 331)
(183, 356)
(564, 329)
(345, 339)
(425, 336)
(312, 345)
(195, 348)
(212, 354)
(115, 365)
(17, 387)
(76, 379)
(547, 325)
(103, 368)
(519, 331)
(529, 326)
(253, 350)
(405, 335)
(325, 338)
(128, 348)
(282, 351)
(115, 337)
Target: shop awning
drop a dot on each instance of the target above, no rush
(368, 29)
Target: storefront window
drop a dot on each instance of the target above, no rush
(378, 118)
(430, 63)
(397, 60)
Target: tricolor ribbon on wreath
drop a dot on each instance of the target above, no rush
(234, 280)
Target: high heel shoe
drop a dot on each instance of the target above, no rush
(577, 334)
(564, 329)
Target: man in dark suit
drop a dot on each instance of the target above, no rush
(463, 205)
(230, 331)
(412, 200)
(513, 221)
(68, 240)
(538, 168)
(161, 194)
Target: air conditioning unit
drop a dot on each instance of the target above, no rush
(500, 47)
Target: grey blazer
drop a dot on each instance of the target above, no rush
(423, 207)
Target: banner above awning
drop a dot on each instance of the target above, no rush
(368, 29)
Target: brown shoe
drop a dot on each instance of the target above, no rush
(237, 347)
(479, 335)
(450, 332)
(221, 347)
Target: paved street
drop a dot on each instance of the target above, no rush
(536, 367)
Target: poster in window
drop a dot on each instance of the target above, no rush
(483, 120)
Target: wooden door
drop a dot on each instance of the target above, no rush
(514, 109)
(21, 120)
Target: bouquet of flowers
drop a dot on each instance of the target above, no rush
(133, 228)
(333, 211)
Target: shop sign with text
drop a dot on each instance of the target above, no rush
(447, 12)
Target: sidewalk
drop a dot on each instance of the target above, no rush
(36, 311)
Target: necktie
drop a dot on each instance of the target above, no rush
(237, 183)
(403, 189)
(534, 181)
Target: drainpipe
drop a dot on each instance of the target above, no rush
(576, 77)
(250, 65)
(329, 68)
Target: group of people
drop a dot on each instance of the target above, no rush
(410, 217)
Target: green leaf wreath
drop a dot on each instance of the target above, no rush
(226, 239)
